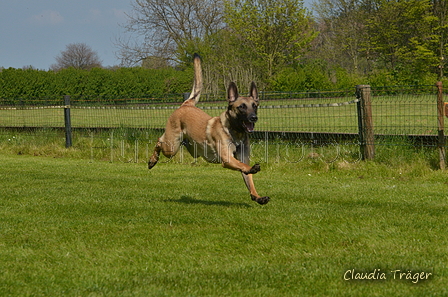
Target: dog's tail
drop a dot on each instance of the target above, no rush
(197, 85)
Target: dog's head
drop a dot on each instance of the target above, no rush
(242, 111)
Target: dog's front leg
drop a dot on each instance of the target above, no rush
(251, 187)
(226, 154)
(242, 153)
(241, 163)
(234, 164)
(247, 173)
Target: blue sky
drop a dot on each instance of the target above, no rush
(34, 32)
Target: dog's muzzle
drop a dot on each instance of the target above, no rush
(250, 123)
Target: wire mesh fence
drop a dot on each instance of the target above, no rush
(311, 118)
(292, 114)
(405, 110)
(396, 111)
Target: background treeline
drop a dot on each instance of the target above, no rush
(100, 83)
(279, 44)
(284, 46)
(142, 82)
(390, 42)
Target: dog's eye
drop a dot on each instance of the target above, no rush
(242, 106)
(254, 106)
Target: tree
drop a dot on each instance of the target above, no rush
(78, 56)
(440, 10)
(161, 28)
(341, 26)
(272, 33)
(404, 40)
(402, 36)
(238, 40)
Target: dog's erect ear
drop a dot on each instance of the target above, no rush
(253, 91)
(232, 92)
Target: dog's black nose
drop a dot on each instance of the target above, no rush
(253, 118)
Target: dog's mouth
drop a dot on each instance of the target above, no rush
(249, 126)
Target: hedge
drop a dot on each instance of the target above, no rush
(96, 83)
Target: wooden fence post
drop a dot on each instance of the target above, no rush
(441, 125)
(365, 122)
(68, 122)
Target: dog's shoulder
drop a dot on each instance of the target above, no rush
(214, 125)
(216, 129)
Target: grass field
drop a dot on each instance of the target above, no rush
(70, 227)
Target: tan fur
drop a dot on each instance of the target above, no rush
(222, 139)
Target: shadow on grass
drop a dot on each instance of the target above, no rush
(189, 200)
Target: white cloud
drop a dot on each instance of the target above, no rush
(47, 17)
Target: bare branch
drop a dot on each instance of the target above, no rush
(162, 27)
(77, 55)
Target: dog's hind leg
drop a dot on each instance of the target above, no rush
(168, 148)
(155, 155)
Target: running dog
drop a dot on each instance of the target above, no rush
(223, 139)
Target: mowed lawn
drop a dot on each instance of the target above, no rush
(73, 228)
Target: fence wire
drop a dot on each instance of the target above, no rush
(396, 111)
(276, 113)
(405, 111)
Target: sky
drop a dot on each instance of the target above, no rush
(34, 32)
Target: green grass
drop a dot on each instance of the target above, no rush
(78, 228)
(135, 145)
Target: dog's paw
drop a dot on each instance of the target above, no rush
(254, 169)
(261, 200)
